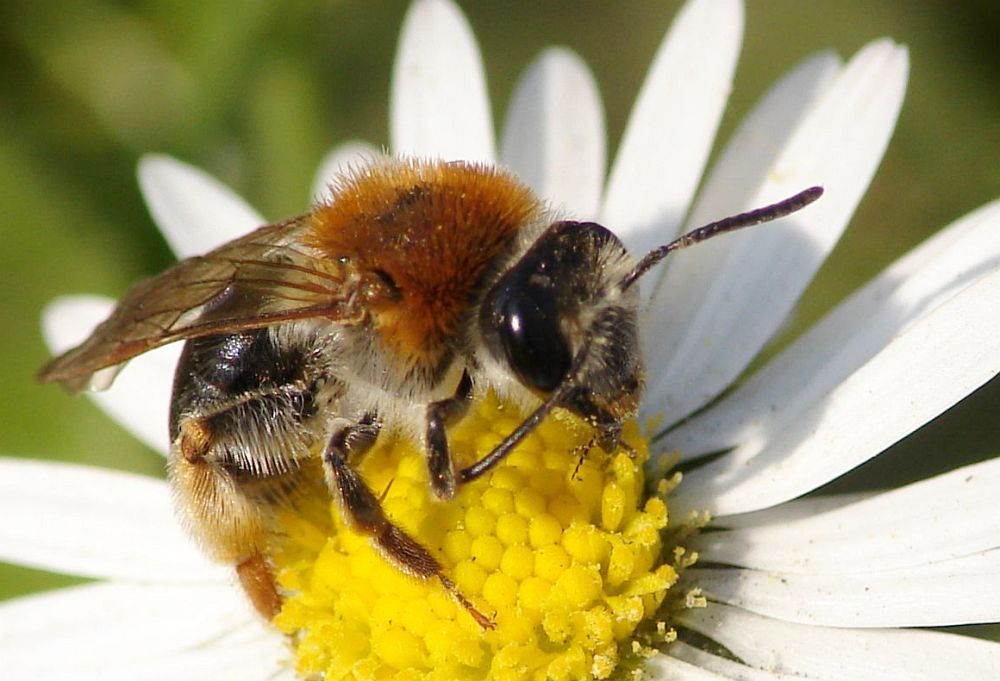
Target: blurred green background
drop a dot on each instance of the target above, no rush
(256, 93)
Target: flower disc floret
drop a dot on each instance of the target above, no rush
(557, 546)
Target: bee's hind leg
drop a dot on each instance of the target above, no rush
(362, 512)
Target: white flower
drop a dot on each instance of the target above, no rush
(824, 587)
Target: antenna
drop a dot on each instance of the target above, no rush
(752, 217)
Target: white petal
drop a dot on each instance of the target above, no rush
(439, 107)
(103, 630)
(254, 652)
(838, 145)
(554, 133)
(263, 657)
(961, 591)
(848, 336)
(673, 123)
(933, 363)
(94, 523)
(667, 668)
(790, 511)
(946, 517)
(761, 137)
(194, 211)
(834, 654)
(140, 397)
(339, 160)
(68, 320)
(671, 319)
(723, 668)
(215, 661)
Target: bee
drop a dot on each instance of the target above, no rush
(417, 288)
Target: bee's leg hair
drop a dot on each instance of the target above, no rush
(440, 415)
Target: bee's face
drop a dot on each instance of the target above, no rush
(558, 320)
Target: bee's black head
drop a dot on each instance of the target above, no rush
(561, 322)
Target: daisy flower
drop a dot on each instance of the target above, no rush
(785, 586)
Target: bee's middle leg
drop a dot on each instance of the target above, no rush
(362, 512)
(360, 507)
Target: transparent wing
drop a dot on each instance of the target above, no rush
(261, 279)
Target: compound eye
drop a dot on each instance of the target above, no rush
(527, 326)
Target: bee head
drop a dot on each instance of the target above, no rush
(563, 319)
(560, 321)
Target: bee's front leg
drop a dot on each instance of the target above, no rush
(440, 415)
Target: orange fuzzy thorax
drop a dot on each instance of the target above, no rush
(431, 230)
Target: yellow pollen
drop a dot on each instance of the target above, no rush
(558, 546)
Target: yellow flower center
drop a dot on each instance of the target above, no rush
(558, 546)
